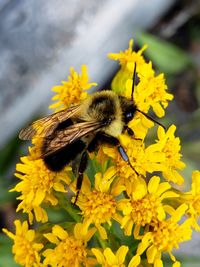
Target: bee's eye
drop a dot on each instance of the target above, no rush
(128, 116)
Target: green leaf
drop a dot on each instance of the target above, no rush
(8, 154)
(6, 256)
(5, 195)
(166, 56)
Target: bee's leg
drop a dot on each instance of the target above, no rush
(105, 138)
(125, 157)
(81, 169)
(130, 132)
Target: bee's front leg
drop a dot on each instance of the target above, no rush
(128, 130)
(105, 138)
(131, 133)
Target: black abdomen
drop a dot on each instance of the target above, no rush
(58, 160)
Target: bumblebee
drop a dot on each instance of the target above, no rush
(80, 129)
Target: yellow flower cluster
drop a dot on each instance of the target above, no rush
(26, 248)
(116, 199)
(38, 185)
(71, 92)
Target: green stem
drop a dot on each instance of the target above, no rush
(72, 212)
(64, 203)
(103, 243)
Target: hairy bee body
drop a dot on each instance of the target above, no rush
(106, 114)
(104, 106)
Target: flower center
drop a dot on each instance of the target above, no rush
(171, 234)
(168, 149)
(70, 251)
(99, 208)
(145, 210)
(42, 178)
(26, 253)
(72, 94)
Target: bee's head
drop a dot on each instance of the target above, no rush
(128, 109)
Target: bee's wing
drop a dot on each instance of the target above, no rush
(70, 135)
(45, 126)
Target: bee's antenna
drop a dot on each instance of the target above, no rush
(150, 118)
(134, 78)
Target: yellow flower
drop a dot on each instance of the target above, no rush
(140, 125)
(127, 60)
(127, 56)
(164, 236)
(71, 92)
(38, 185)
(144, 205)
(170, 146)
(99, 205)
(109, 259)
(70, 249)
(35, 150)
(156, 215)
(142, 159)
(192, 198)
(151, 90)
(25, 248)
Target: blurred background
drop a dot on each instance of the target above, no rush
(41, 40)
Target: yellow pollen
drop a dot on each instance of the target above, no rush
(168, 149)
(99, 208)
(46, 178)
(170, 233)
(145, 209)
(26, 248)
(70, 251)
